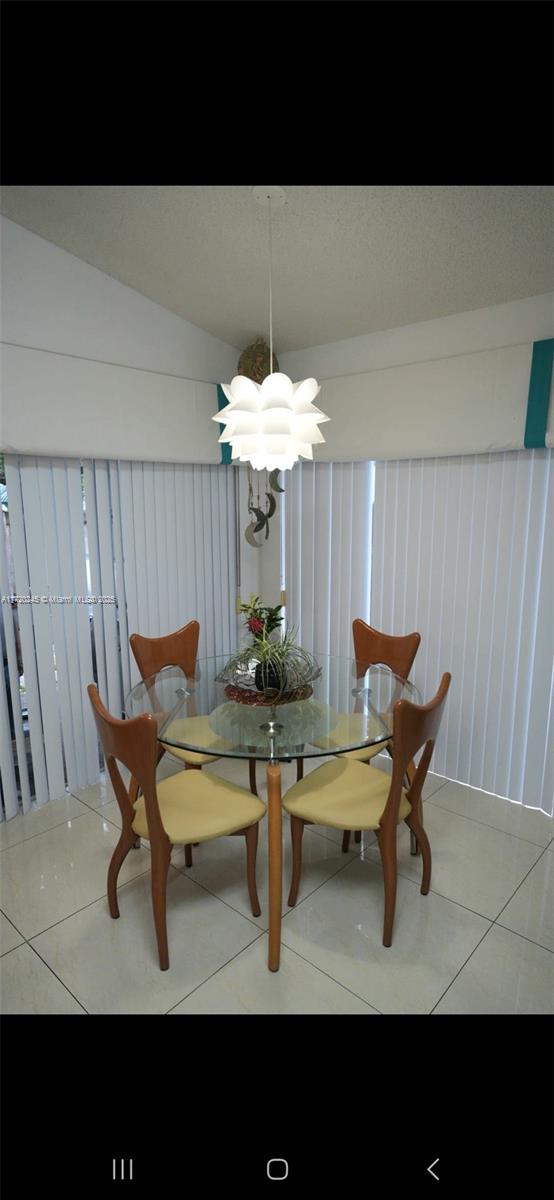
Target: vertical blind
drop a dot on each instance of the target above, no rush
(328, 552)
(463, 551)
(460, 549)
(159, 538)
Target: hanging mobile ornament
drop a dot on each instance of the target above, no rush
(254, 525)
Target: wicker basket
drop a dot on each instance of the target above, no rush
(248, 696)
(254, 361)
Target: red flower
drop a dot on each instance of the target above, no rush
(255, 625)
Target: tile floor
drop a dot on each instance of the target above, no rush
(482, 941)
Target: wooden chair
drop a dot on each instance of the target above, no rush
(372, 648)
(179, 649)
(344, 795)
(186, 808)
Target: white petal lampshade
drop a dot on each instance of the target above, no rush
(273, 424)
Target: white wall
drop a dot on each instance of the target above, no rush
(519, 321)
(467, 404)
(52, 300)
(91, 367)
(69, 407)
(458, 385)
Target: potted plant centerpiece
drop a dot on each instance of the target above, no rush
(261, 620)
(272, 668)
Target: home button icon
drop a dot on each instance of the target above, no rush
(277, 1168)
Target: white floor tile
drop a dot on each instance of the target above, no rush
(100, 793)
(339, 929)
(335, 835)
(432, 784)
(528, 823)
(38, 820)
(236, 770)
(48, 877)
(220, 866)
(113, 967)
(507, 974)
(473, 864)
(54, 861)
(9, 935)
(111, 812)
(531, 911)
(27, 986)
(246, 985)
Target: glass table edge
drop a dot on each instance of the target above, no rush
(309, 752)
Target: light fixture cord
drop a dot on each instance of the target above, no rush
(270, 293)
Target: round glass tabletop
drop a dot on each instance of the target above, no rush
(343, 711)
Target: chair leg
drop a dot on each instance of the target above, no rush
(126, 841)
(252, 775)
(299, 769)
(345, 841)
(387, 848)
(420, 817)
(251, 838)
(134, 790)
(358, 836)
(415, 826)
(297, 830)
(188, 855)
(160, 867)
(415, 847)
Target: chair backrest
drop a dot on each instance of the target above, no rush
(177, 649)
(371, 647)
(135, 744)
(414, 726)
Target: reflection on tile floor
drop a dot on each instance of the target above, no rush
(507, 974)
(481, 941)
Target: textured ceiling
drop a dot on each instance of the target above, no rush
(346, 260)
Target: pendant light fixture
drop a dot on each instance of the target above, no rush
(273, 424)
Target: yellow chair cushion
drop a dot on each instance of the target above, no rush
(344, 795)
(195, 807)
(196, 730)
(353, 727)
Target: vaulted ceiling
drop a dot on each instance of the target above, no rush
(347, 260)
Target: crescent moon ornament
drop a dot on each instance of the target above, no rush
(249, 535)
(273, 481)
(272, 505)
(261, 519)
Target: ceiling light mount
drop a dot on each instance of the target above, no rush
(273, 424)
(276, 197)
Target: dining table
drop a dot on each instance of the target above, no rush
(348, 706)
